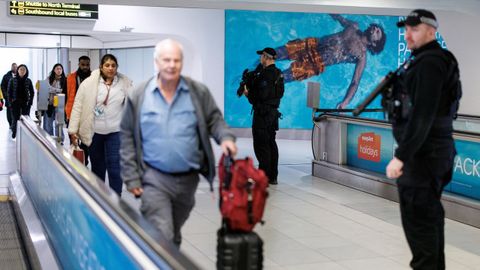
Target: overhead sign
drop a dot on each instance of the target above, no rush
(58, 10)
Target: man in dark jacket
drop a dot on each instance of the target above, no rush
(6, 78)
(423, 161)
(165, 141)
(264, 93)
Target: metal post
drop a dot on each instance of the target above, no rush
(59, 102)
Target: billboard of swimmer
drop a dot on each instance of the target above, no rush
(347, 55)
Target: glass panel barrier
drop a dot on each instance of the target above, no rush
(88, 226)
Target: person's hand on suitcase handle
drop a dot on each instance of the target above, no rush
(229, 147)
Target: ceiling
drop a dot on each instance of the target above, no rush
(447, 5)
(387, 7)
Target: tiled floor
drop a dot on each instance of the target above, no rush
(316, 224)
(310, 223)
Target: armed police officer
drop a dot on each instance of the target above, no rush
(423, 161)
(264, 91)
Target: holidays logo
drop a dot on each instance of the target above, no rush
(369, 145)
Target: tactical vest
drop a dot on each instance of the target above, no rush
(402, 101)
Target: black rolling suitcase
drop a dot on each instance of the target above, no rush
(239, 250)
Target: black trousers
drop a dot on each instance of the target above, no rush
(266, 150)
(423, 220)
(423, 217)
(18, 109)
(9, 116)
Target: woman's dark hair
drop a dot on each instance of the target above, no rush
(63, 79)
(52, 76)
(105, 58)
(375, 47)
(26, 68)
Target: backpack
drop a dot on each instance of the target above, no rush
(398, 104)
(243, 193)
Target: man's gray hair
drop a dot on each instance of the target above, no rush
(166, 42)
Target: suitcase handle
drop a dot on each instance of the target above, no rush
(227, 166)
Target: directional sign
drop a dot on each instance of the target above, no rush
(48, 9)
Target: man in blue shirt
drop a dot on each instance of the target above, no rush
(165, 141)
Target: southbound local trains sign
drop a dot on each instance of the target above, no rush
(48, 9)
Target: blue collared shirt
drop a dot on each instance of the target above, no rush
(169, 131)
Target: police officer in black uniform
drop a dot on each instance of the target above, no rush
(423, 161)
(264, 92)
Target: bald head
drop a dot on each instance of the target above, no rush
(168, 45)
(169, 60)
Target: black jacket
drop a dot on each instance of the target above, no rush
(262, 91)
(13, 94)
(263, 94)
(6, 78)
(427, 132)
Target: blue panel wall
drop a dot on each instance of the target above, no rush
(371, 148)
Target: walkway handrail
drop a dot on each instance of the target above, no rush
(126, 220)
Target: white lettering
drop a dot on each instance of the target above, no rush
(401, 34)
(369, 151)
(458, 165)
(33, 4)
(475, 168)
(367, 138)
(54, 5)
(465, 166)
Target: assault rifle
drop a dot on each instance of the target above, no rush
(391, 100)
(247, 79)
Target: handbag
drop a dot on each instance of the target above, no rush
(78, 153)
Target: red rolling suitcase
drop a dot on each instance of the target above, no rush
(242, 202)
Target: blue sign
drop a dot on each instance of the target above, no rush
(79, 238)
(466, 168)
(369, 148)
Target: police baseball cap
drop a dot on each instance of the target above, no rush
(419, 16)
(268, 51)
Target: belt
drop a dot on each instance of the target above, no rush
(189, 172)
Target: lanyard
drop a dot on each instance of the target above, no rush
(108, 86)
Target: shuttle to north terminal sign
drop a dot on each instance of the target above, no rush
(49, 9)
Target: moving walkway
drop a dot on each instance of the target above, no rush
(58, 215)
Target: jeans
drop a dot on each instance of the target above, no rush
(105, 157)
(48, 123)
